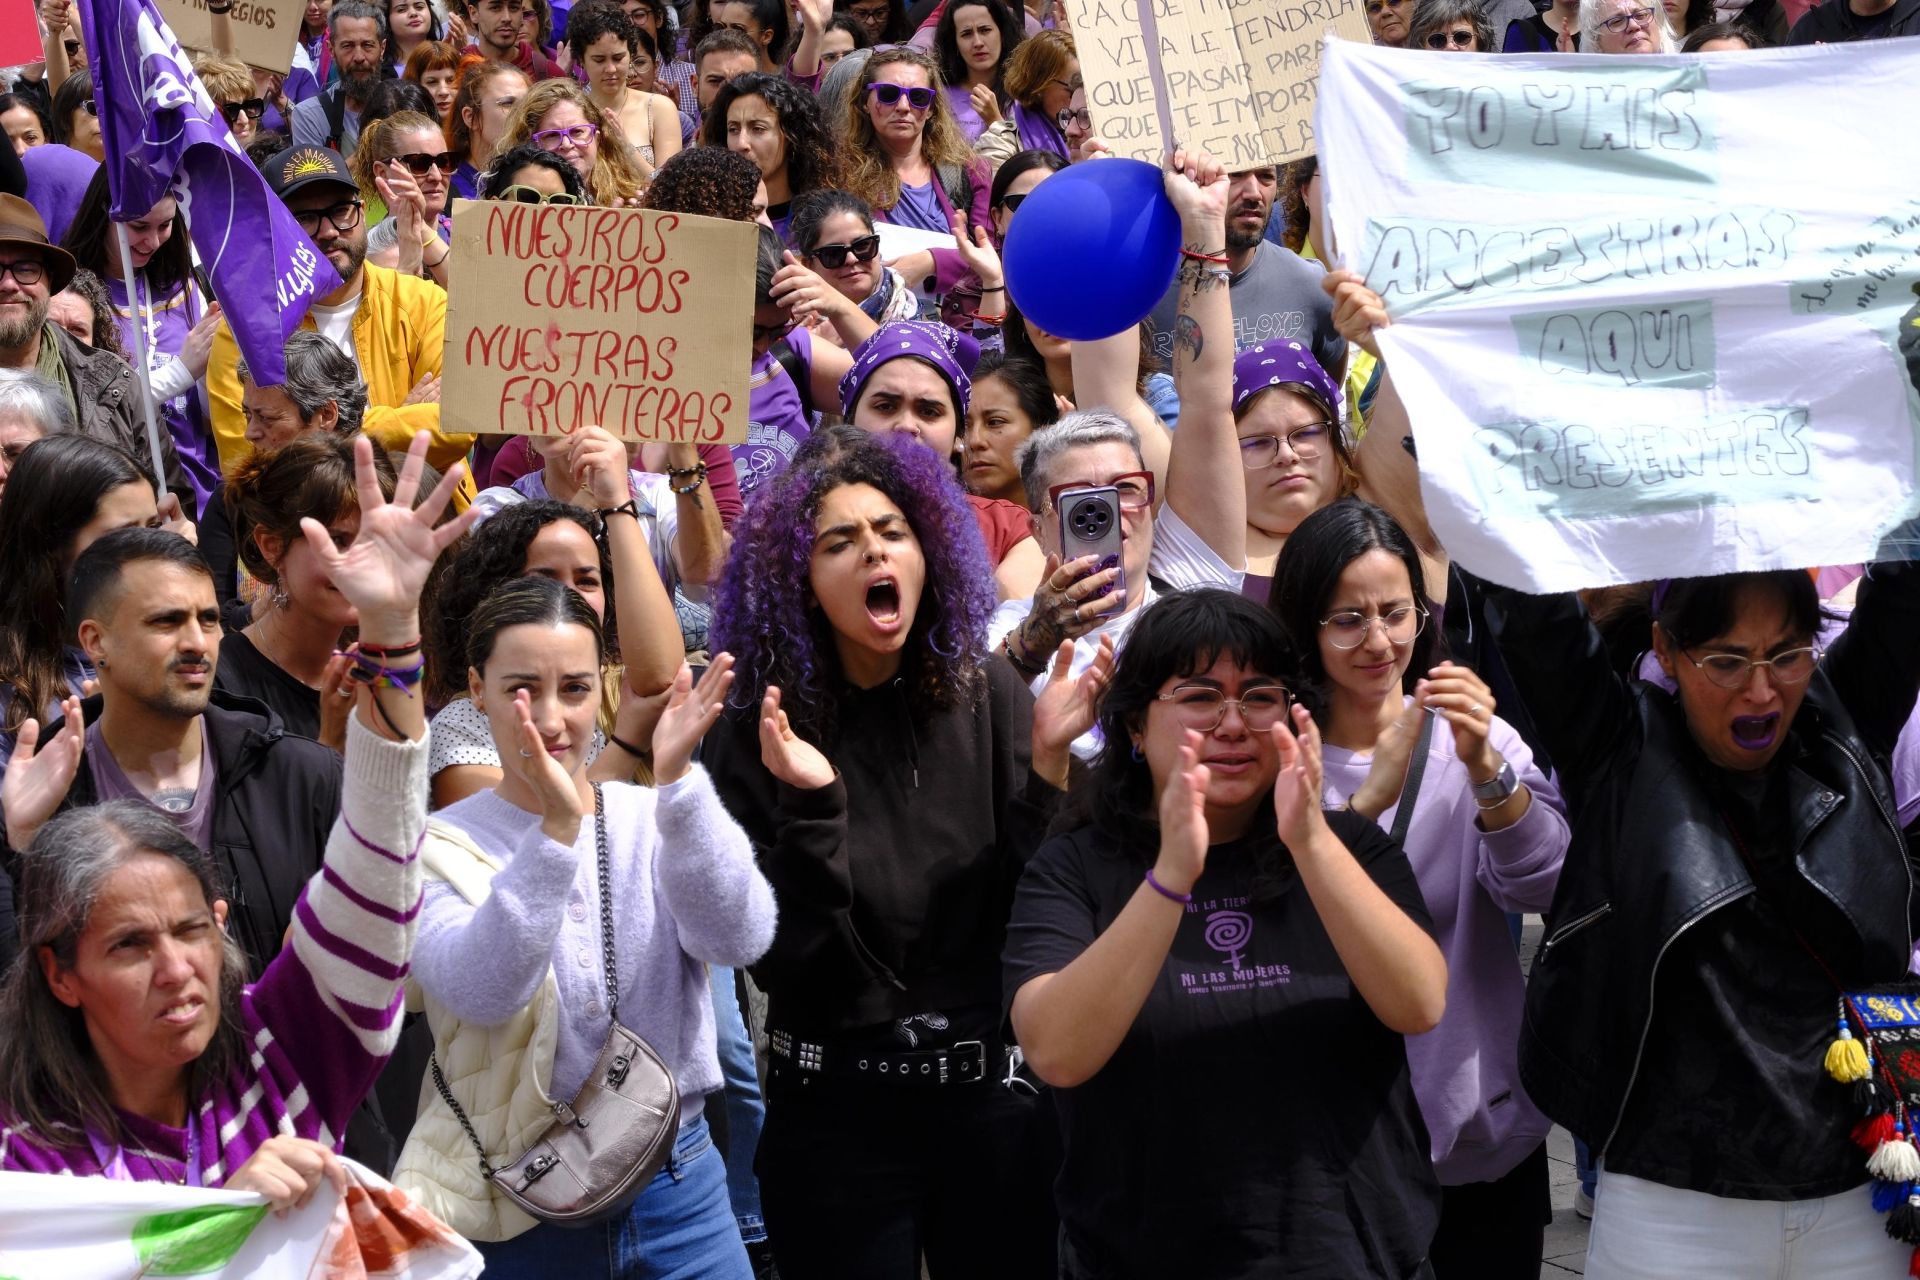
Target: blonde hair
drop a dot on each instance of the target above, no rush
(616, 176)
(227, 79)
(1041, 57)
(868, 172)
(379, 143)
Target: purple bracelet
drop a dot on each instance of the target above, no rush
(1185, 899)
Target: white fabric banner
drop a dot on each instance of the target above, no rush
(1653, 316)
(101, 1229)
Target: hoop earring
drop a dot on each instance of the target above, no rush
(1139, 757)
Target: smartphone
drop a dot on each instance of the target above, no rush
(1090, 526)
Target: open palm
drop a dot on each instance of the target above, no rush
(384, 570)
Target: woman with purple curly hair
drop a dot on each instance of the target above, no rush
(894, 779)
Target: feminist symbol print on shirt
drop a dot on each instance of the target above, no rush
(1228, 932)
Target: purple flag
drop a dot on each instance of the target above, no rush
(162, 133)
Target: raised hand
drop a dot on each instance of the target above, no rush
(382, 573)
(1357, 310)
(1197, 185)
(985, 103)
(814, 15)
(1391, 755)
(198, 348)
(39, 776)
(1297, 807)
(977, 251)
(174, 520)
(1459, 694)
(804, 293)
(1067, 706)
(691, 711)
(1071, 600)
(1183, 820)
(561, 808)
(598, 464)
(788, 756)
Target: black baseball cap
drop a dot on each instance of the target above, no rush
(299, 167)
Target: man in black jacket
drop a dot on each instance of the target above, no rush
(1838, 21)
(261, 799)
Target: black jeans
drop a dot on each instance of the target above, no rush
(1495, 1230)
(860, 1179)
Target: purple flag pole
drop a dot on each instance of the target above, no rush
(162, 134)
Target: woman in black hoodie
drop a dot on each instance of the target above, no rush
(894, 778)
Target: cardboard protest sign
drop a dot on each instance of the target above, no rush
(264, 31)
(1234, 77)
(561, 316)
(1628, 348)
(105, 1229)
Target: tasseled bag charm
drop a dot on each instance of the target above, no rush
(1847, 1057)
(1903, 1221)
(1896, 1160)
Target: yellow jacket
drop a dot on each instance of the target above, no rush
(399, 331)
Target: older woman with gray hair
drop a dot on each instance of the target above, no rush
(1625, 26)
(1452, 26)
(31, 408)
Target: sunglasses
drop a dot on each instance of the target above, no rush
(771, 332)
(1444, 39)
(252, 109)
(518, 194)
(1012, 203)
(834, 256)
(89, 106)
(73, 48)
(418, 162)
(918, 99)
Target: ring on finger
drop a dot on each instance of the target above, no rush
(1476, 709)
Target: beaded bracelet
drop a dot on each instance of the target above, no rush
(699, 473)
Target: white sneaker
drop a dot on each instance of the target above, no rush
(1583, 1203)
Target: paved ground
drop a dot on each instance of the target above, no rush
(1565, 1251)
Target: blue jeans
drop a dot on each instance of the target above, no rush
(680, 1228)
(746, 1111)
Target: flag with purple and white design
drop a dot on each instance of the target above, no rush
(162, 134)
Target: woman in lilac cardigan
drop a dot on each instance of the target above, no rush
(134, 1048)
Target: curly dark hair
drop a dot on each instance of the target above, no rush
(106, 330)
(588, 22)
(510, 162)
(763, 608)
(491, 554)
(710, 181)
(810, 162)
(1295, 217)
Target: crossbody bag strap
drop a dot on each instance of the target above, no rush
(606, 902)
(1410, 791)
(459, 1113)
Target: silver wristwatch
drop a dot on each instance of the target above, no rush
(1496, 790)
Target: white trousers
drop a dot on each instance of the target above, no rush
(1644, 1231)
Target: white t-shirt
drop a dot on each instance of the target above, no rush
(1180, 558)
(336, 324)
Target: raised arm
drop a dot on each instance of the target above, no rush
(1206, 484)
(1106, 375)
(650, 643)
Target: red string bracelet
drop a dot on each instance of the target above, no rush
(1219, 258)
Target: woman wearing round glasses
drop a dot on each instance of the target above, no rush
(905, 155)
(1414, 745)
(1625, 26)
(557, 116)
(1450, 26)
(1216, 974)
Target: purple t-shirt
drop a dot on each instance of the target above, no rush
(920, 207)
(193, 810)
(776, 420)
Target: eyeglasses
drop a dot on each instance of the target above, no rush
(418, 162)
(25, 271)
(1632, 18)
(1202, 709)
(1134, 489)
(1349, 629)
(918, 98)
(518, 194)
(344, 216)
(1257, 453)
(772, 332)
(834, 256)
(1069, 85)
(872, 14)
(1731, 671)
(1375, 6)
(579, 135)
(1455, 39)
(252, 109)
(1069, 118)
(1012, 203)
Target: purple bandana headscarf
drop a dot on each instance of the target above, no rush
(1279, 364)
(952, 354)
(57, 180)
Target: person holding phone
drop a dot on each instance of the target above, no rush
(1114, 541)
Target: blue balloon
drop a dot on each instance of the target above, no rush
(1093, 250)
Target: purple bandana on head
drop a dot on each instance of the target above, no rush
(1280, 364)
(951, 353)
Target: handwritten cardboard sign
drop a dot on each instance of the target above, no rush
(1240, 75)
(560, 317)
(264, 31)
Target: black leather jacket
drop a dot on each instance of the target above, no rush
(1651, 856)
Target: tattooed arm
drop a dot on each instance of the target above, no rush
(1205, 484)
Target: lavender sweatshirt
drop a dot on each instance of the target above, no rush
(686, 894)
(1466, 1071)
(324, 1017)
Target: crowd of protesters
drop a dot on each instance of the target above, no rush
(997, 910)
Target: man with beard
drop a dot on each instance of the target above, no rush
(392, 325)
(97, 386)
(358, 34)
(496, 27)
(1276, 293)
(258, 798)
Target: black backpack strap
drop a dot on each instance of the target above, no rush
(958, 184)
(335, 105)
(797, 372)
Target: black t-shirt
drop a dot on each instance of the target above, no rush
(1258, 1120)
(243, 669)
